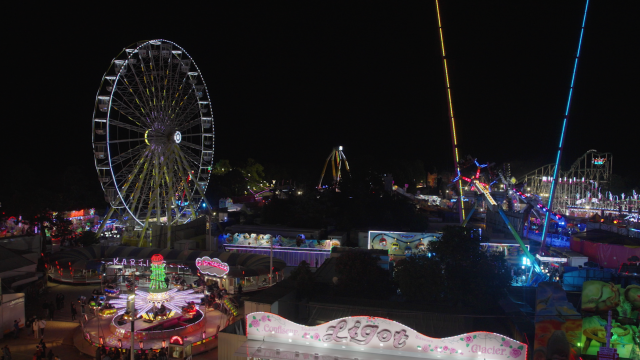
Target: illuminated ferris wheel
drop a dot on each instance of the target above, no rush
(153, 134)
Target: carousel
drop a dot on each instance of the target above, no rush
(160, 314)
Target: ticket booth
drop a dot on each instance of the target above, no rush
(179, 349)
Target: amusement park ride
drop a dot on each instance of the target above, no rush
(336, 158)
(153, 136)
(484, 189)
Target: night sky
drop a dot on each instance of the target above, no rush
(289, 82)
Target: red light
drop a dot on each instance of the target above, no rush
(176, 340)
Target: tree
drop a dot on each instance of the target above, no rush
(420, 278)
(254, 173)
(360, 276)
(62, 227)
(458, 272)
(88, 238)
(304, 280)
(221, 168)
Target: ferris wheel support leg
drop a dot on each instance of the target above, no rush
(168, 204)
(146, 221)
(180, 167)
(136, 193)
(157, 173)
(154, 196)
(104, 222)
(200, 190)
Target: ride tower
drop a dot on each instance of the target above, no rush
(158, 274)
(337, 160)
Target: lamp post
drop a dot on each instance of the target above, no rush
(271, 261)
(131, 307)
(209, 233)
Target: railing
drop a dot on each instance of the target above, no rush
(626, 231)
(554, 240)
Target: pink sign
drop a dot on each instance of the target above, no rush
(206, 265)
(381, 335)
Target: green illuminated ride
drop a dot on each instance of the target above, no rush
(158, 273)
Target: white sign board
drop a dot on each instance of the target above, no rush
(206, 265)
(373, 333)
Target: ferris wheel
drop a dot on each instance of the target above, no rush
(153, 135)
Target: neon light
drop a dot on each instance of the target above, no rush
(176, 340)
(206, 265)
(373, 333)
(452, 121)
(564, 125)
(158, 272)
(555, 259)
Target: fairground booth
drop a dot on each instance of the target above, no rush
(123, 264)
(269, 336)
(401, 244)
(290, 248)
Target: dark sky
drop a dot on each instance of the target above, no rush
(289, 82)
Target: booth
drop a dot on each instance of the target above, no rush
(179, 348)
(270, 336)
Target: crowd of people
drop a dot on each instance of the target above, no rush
(124, 354)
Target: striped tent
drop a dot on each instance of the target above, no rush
(240, 265)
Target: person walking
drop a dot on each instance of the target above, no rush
(42, 325)
(6, 352)
(50, 355)
(74, 311)
(45, 307)
(52, 309)
(43, 346)
(35, 327)
(16, 328)
(38, 354)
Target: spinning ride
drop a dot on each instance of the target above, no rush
(178, 308)
(153, 135)
(336, 158)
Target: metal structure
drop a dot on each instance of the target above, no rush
(153, 135)
(452, 124)
(586, 183)
(336, 158)
(484, 191)
(554, 179)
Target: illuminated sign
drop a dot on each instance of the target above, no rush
(598, 161)
(554, 259)
(362, 333)
(130, 262)
(176, 340)
(206, 265)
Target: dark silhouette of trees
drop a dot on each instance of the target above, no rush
(360, 276)
(304, 280)
(458, 272)
(88, 238)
